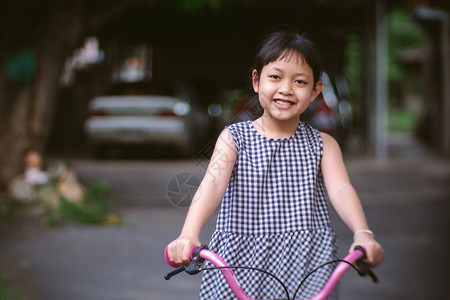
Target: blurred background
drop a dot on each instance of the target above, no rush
(385, 61)
(134, 93)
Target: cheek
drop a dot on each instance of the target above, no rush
(308, 95)
(261, 98)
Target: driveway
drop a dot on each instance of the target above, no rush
(406, 200)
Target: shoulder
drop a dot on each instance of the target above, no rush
(239, 127)
(313, 137)
(328, 140)
(331, 149)
(222, 160)
(310, 131)
(225, 135)
(225, 143)
(239, 132)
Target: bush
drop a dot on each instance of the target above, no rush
(96, 208)
(60, 196)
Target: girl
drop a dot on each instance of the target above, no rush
(271, 175)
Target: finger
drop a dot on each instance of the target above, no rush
(170, 252)
(179, 256)
(370, 256)
(185, 254)
(376, 257)
(380, 257)
(172, 256)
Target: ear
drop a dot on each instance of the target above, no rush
(255, 81)
(318, 86)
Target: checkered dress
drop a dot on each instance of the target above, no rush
(273, 216)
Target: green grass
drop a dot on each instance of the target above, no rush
(7, 292)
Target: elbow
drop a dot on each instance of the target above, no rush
(344, 191)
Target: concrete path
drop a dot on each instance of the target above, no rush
(407, 201)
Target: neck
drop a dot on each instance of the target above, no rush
(277, 129)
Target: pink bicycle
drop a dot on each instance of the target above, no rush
(355, 259)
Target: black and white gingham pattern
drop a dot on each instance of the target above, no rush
(273, 216)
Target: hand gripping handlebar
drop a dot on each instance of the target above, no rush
(198, 254)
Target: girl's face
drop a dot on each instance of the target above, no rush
(286, 87)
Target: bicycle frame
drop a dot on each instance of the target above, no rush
(198, 254)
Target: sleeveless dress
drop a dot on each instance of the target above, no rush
(274, 216)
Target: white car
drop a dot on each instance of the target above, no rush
(144, 113)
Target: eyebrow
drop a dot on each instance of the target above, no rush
(299, 73)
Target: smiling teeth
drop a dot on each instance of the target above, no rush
(283, 102)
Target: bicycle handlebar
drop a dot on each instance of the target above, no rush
(198, 255)
(191, 255)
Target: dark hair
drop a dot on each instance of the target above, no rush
(282, 44)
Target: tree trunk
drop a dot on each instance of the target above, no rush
(26, 118)
(26, 126)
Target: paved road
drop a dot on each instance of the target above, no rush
(407, 202)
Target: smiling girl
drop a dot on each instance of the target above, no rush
(271, 176)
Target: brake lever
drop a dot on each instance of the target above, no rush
(194, 266)
(192, 269)
(173, 273)
(363, 270)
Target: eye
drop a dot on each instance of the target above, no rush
(274, 76)
(302, 82)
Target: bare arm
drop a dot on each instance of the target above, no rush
(344, 199)
(206, 199)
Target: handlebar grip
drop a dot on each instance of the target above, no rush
(174, 265)
(191, 253)
(166, 256)
(363, 251)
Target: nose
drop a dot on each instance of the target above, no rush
(285, 87)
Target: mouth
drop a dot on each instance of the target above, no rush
(284, 103)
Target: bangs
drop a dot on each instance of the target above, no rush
(286, 46)
(290, 54)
